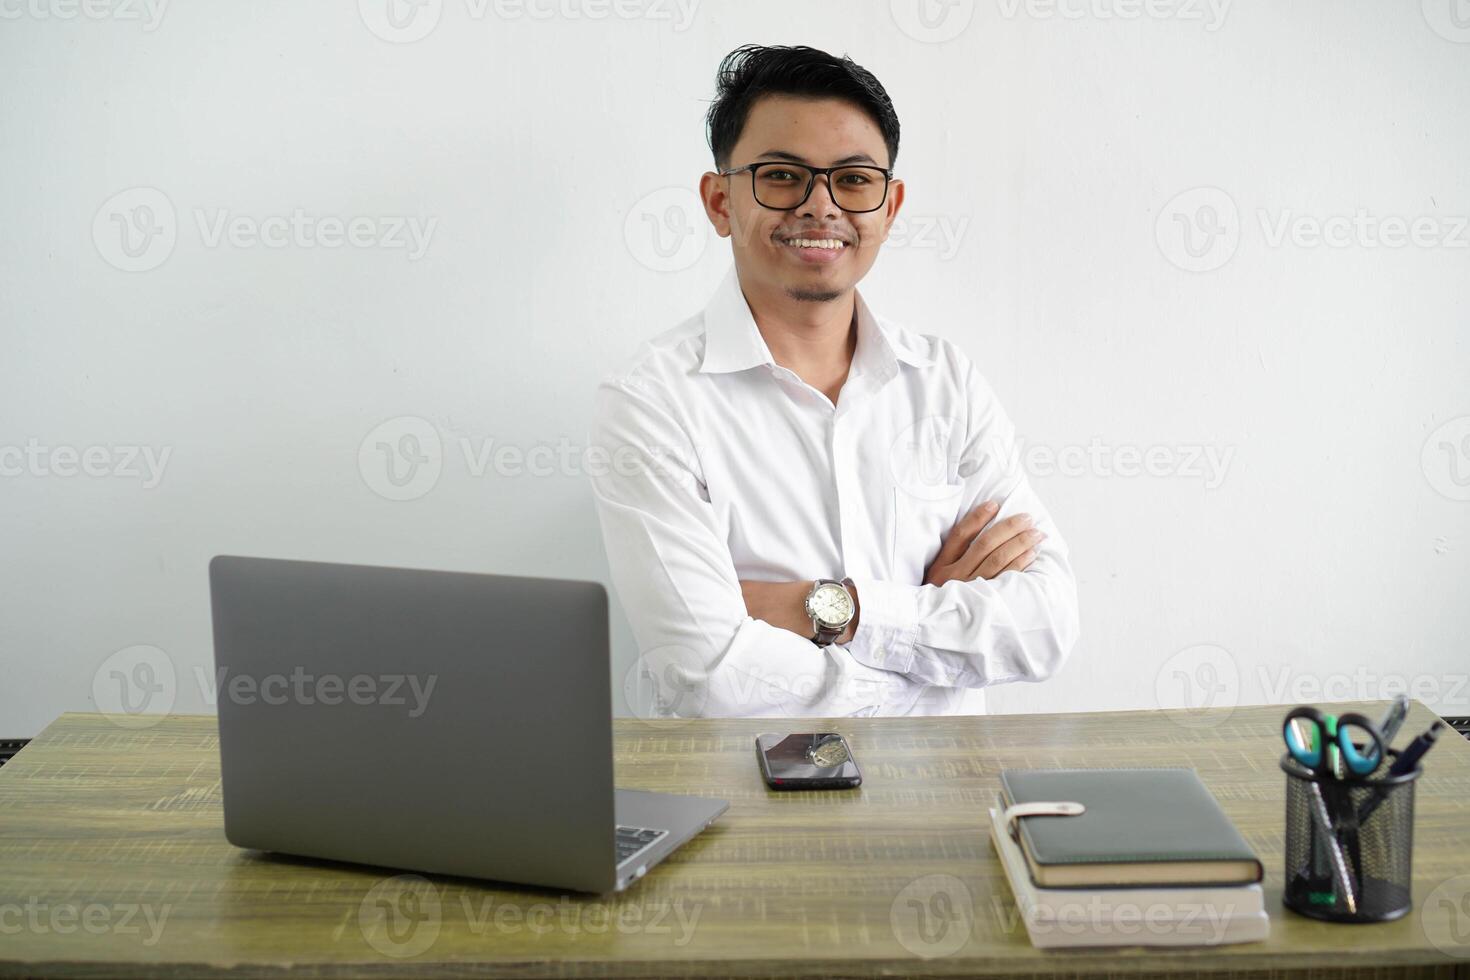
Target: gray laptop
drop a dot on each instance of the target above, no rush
(434, 721)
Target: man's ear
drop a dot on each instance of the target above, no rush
(891, 206)
(712, 191)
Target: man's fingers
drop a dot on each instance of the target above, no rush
(988, 540)
(964, 532)
(1022, 562)
(999, 559)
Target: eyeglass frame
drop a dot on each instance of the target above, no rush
(811, 183)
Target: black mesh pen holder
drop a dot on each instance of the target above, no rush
(1349, 844)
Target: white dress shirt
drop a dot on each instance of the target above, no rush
(724, 466)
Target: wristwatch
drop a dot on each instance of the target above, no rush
(830, 606)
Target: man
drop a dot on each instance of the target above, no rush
(811, 510)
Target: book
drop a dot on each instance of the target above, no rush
(1069, 917)
(1139, 827)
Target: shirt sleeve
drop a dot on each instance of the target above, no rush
(699, 650)
(1018, 626)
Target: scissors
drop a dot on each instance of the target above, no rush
(1326, 744)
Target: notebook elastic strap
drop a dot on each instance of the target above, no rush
(1060, 809)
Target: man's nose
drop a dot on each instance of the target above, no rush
(819, 201)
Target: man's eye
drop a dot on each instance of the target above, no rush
(778, 176)
(856, 179)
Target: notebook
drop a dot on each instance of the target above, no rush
(1139, 827)
(1157, 916)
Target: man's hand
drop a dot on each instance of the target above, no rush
(783, 605)
(968, 553)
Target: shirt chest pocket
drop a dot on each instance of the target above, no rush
(921, 520)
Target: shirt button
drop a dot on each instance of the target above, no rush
(879, 653)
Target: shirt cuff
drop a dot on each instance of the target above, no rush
(888, 624)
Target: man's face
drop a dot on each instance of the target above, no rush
(821, 133)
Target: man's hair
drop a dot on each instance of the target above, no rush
(753, 70)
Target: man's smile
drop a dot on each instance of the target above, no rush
(815, 248)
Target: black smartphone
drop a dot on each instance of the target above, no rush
(819, 760)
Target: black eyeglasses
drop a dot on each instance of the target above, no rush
(784, 186)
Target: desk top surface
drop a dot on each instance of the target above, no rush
(113, 860)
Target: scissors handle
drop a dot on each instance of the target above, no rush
(1305, 732)
(1354, 728)
(1314, 738)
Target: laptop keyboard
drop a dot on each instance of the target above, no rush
(631, 840)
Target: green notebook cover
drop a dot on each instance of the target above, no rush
(1140, 826)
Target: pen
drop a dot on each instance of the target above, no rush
(1394, 719)
(1408, 759)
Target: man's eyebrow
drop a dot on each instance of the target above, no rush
(795, 158)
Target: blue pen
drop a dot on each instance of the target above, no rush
(1407, 762)
(1408, 759)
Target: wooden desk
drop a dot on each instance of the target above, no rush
(113, 862)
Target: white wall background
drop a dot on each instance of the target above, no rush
(1045, 150)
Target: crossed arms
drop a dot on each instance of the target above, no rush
(997, 604)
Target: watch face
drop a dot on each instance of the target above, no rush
(831, 604)
(829, 753)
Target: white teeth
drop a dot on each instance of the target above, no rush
(816, 242)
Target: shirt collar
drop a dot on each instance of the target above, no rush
(732, 341)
